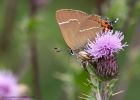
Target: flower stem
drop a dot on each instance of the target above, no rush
(98, 96)
(104, 91)
(95, 84)
(101, 90)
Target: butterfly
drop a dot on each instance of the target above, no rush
(78, 27)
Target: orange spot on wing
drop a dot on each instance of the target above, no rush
(105, 24)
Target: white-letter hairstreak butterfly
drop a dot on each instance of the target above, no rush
(78, 28)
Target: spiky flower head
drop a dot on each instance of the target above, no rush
(106, 68)
(8, 86)
(106, 44)
(103, 51)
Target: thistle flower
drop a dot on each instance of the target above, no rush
(8, 86)
(106, 44)
(106, 68)
(103, 51)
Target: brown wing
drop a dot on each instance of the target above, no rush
(69, 21)
(88, 29)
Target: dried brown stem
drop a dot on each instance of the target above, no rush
(35, 4)
(35, 68)
(9, 19)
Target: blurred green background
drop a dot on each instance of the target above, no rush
(29, 33)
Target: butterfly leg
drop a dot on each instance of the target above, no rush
(85, 64)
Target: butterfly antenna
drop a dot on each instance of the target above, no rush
(114, 21)
(58, 49)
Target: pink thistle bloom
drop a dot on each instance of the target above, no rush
(106, 44)
(8, 86)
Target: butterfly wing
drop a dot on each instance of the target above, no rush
(78, 27)
(69, 21)
(89, 28)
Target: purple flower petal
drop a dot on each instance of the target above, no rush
(8, 85)
(106, 44)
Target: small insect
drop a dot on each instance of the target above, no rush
(78, 28)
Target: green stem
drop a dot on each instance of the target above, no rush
(104, 91)
(95, 83)
(100, 89)
(98, 95)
